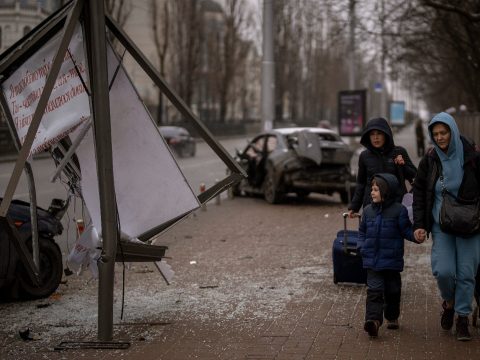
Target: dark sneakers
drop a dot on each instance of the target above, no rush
(392, 324)
(447, 317)
(462, 329)
(372, 326)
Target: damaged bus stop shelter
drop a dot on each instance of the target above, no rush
(65, 80)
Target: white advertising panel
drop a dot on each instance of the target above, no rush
(150, 188)
(68, 104)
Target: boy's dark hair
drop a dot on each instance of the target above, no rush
(382, 186)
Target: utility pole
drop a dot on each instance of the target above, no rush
(383, 93)
(268, 68)
(351, 72)
(351, 63)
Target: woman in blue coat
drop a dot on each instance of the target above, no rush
(455, 162)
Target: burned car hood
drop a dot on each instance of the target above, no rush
(309, 146)
(312, 147)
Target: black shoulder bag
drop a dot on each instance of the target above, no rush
(458, 216)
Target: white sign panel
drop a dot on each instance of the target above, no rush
(150, 188)
(68, 104)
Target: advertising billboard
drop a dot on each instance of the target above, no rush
(150, 188)
(397, 113)
(351, 112)
(68, 106)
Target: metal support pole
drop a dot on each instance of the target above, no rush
(97, 66)
(268, 68)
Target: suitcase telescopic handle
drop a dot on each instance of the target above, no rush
(345, 235)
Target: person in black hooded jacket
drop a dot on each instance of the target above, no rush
(381, 155)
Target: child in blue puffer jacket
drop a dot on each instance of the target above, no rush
(383, 228)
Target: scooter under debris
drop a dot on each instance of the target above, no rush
(15, 280)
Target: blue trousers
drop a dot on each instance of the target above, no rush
(455, 262)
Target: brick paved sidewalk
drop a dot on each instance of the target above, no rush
(262, 291)
(326, 321)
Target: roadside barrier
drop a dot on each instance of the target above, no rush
(218, 200)
(202, 189)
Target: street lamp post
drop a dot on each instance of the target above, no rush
(268, 68)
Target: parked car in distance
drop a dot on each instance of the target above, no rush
(296, 160)
(179, 140)
(325, 124)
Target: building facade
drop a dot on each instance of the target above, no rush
(17, 18)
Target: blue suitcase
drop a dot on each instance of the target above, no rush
(347, 262)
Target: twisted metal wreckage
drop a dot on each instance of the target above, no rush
(63, 86)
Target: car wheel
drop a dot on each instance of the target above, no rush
(236, 190)
(51, 268)
(270, 189)
(182, 152)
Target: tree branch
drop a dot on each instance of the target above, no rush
(474, 17)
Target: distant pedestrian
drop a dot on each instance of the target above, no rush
(381, 155)
(452, 164)
(383, 228)
(420, 138)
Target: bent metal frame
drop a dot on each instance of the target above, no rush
(91, 13)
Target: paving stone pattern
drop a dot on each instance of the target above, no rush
(260, 291)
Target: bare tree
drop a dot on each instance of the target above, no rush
(234, 51)
(310, 60)
(284, 43)
(160, 13)
(460, 10)
(442, 51)
(119, 10)
(187, 37)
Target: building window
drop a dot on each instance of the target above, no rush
(26, 30)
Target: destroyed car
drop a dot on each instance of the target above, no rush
(296, 160)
